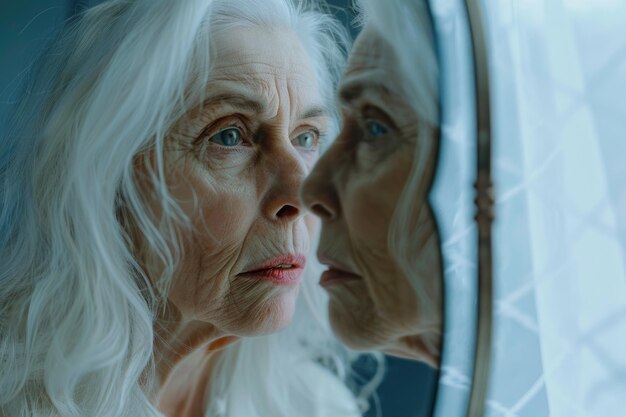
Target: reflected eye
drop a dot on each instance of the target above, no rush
(306, 140)
(227, 137)
(375, 129)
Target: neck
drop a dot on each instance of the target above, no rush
(177, 338)
(183, 393)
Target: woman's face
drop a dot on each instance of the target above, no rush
(235, 167)
(354, 189)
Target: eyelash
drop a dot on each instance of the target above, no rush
(203, 143)
(237, 123)
(220, 125)
(320, 138)
(367, 114)
(369, 137)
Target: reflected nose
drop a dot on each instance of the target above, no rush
(318, 192)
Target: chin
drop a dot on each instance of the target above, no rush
(353, 317)
(269, 316)
(355, 331)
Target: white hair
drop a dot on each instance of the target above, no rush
(406, 26)
(76, 310)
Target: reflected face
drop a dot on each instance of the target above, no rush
(235, 167)
(354, 189)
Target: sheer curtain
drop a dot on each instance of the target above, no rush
(558, 74)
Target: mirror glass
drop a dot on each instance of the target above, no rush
(408, 385)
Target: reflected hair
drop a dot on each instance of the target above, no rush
(76, 308)
(407, 27)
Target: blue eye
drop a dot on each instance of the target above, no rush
(375, 128)
(306, 140)
(227, 137)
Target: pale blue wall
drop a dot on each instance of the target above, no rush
(26, 27)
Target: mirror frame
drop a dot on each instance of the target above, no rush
(484, 202)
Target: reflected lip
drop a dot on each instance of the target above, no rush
(282, 270)
(336, 273)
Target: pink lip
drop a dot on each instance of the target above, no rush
(336, 276)
(270, 270)
(336, 273)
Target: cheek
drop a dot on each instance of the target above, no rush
(312, 224)
(220, 207)
(220, 215)
(369, 209)
(370, 200)
(368, 215)
(223, 216)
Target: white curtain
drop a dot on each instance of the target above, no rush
(558, 74)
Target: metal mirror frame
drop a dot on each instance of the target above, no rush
(484, 202)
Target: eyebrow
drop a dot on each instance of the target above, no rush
(352, 91)
(238, 100)
(317, 111)
(252, 105)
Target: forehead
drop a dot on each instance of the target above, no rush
(372, 63)
(366, 51)
(261, 52)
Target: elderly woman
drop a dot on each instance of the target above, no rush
(150, 212)
(379, 238)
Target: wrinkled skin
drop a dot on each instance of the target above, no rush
(235, 166)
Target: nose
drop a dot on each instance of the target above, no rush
(283, 202)
(318, 192)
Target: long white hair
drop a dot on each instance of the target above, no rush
(76, 310)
